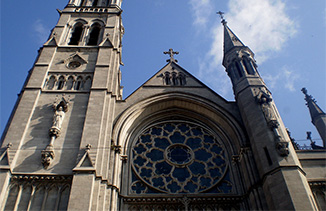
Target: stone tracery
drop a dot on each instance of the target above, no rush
(178, 157)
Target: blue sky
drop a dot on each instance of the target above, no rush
(287, 37)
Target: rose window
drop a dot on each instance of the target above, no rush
(177, 158)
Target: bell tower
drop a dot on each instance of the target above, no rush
(60, 129)
(280, 171)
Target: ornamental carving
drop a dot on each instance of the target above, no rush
(176, 158)
(264, 99)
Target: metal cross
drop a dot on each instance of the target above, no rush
(222, 17)
(171, 53)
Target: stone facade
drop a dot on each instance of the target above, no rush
(73, 142)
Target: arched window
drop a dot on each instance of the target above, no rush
(70, 83)
(76, 34)
(167, 79)
(94, 34)
(50, 83)
(61, 82)
(238, 69)
(79, 83)
(88, 83)
(174, 78)
(249, 68)
(182, 79)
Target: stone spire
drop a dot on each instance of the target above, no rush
(230, 39)
(318, 116)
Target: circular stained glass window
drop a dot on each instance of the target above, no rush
(178, 158)
(73, 64)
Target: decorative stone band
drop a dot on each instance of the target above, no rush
(184, 203)
(40, 178)
(176, 199)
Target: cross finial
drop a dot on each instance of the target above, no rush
(171, 53)
(223, 21)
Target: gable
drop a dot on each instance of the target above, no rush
(172, 75)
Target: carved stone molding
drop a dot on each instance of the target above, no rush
(50, 178)
(283, 148)
(184, 202)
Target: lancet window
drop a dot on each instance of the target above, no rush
(38, 193)
(249, 68)
(173, 78)
(76, 34)
(68, 82)
(61, 83)
(94, 34)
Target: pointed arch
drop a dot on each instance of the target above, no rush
(61, 83)
(50, 82)
(70, 83)
(76, 34)
(94, 34)
(79, 83)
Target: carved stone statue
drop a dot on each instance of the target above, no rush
(58, 117)
(264, 99)
(60, 108)
(268, 113)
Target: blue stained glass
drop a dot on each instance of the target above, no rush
(191, 187)
(183, 127)
(149, 164)
(162, 143)
(225, 187)
(177, 138)
(216, 149)
(194, 143)
(155, 155)
(145, 138)
(209, 139)
(188, 134)
(169, 154)
(163, 168)
(140, 148)
(202, 155)
(168, 179)
(196, 132)
(169, 127)
(140, 161)
(181, 174)
(156, 131)
(205, 182)
(158, 182)
(197, 168)
(174, 187)
(146, 172)
(138, 187)
(215, 172)
(179, 154)
(219, 161)
(149, 145)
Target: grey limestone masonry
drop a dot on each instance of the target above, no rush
(74, 143)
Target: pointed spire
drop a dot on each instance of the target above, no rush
(230, 40)
(318, 116)
(314, 109)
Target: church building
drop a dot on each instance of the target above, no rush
(74, 143)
